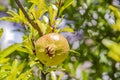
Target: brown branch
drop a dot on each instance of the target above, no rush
(35, 26)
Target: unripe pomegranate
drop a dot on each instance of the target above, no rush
(52, 49)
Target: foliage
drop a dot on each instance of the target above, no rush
(98, 44)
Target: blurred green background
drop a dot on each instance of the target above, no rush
(96, 36)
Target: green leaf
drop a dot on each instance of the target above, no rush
(1, 31)
(42, 26)
(37, 13)
(116, 11)
(21, 49)
(66, 29)
(32, 63)
(114, 56)
(53, 75)
(108, 43)
(4, 60)
(16, 69)
(21, 16)
(60, 77)
(67, 3)
(114, 49)
(73, 51)
(12, 13)
(84, 75)
(24, 76)
(14, 17)
(9, 50)
(11, 19)
(33, 1)
(41, 9)
(3, 75)
(52, 13)
(13, 73)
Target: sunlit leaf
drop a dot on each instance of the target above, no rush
(25, 75)
(60, 77)
(66, 4)
(11, 19)
(14, 16)
(53, 75)
(66, 29)
(114, 56)
(27, 46)
(40, 10)
(52, 13)
(116, 11)
(33, 1)
(13, 74)
(15, 70)
(21, 16)
(21, 49)
(112, 46)
(3, 75)
(116, 26)
(4, 60)
(9, 50)
(114, 49)
(42, 26)
(12, 13)
(108, 43)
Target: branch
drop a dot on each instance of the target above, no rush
(35, 26)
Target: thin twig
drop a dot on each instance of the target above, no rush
(35, 26)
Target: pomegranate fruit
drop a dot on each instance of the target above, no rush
(52, 49)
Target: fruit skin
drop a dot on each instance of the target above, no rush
(52, 49)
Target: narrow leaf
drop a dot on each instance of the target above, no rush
(4, 60)
(23, 50)
(114, 56)
(116, 11)
(12, 13)
(42, 26)
(67, 3)
(73, 51)
(9, 50)
(24, 76)
(53, 13)
(67, 29)
(3, 75)
(13, 73)
(53, 76)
